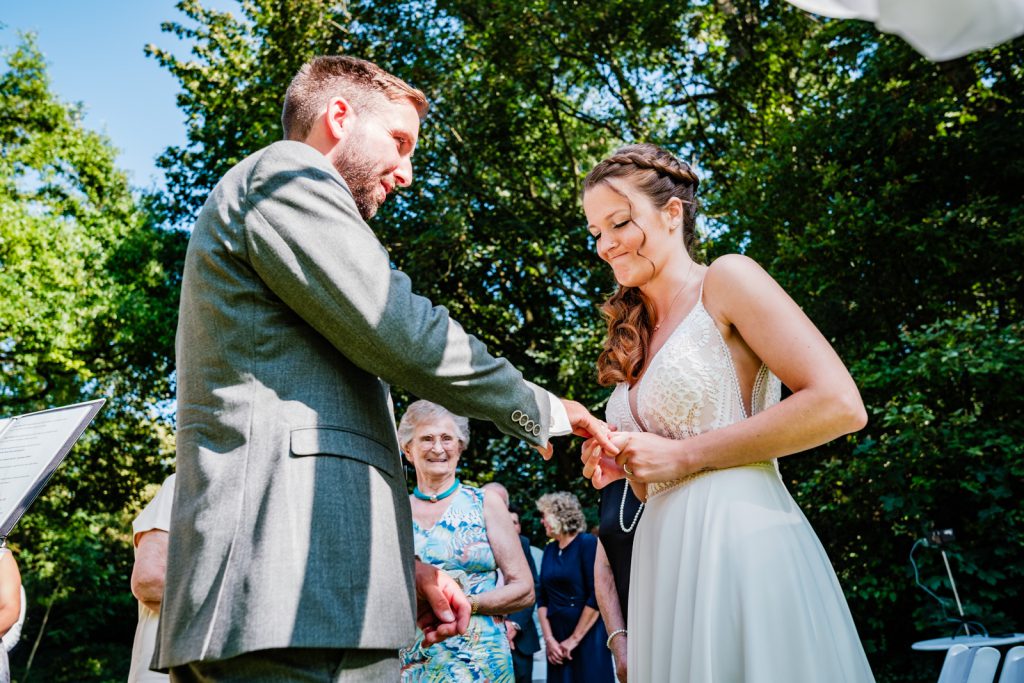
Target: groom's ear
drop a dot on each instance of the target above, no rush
(339, 117)
(334, 124)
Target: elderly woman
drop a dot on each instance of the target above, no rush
(468, 533)
(566, 602)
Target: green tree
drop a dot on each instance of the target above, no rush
(87, 309)
(492, 227)
(867, 189)
(881, 190)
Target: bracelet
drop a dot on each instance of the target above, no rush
(611, 636)
(474, 604)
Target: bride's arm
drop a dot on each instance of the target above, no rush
(824, 405)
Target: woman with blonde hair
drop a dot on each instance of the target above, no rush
(728, 580)
(574, 635)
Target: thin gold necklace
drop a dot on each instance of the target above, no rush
(679, 291)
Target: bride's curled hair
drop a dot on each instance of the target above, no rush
(630, 315)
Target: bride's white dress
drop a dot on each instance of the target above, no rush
(729, 583)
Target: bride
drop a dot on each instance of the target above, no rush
(729, 582)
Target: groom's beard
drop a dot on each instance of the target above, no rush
(362, 176)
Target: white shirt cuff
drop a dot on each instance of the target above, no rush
(560, 425)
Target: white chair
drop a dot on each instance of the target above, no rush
(983, 668)
(1013, 666)
(957, 664)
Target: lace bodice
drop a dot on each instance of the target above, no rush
(690, 387)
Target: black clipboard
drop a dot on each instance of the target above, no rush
(32, 446)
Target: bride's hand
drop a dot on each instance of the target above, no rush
(647, 458)
(599, 467)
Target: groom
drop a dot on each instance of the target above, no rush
(291, 554)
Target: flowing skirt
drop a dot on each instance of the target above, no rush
(729, 584)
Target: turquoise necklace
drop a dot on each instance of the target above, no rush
(434, 497)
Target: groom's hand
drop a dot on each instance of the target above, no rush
(586, 425)
(442, 609)
(582, 424)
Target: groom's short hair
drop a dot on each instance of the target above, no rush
(360, 82)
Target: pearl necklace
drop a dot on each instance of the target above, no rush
(622, 512)
(434, 497)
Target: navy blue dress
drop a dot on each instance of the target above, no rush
(566, 587)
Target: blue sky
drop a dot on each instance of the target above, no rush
(94, 49)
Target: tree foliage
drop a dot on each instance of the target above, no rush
(87, 309)
(881, 190)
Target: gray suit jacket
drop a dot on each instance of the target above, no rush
(291, 524)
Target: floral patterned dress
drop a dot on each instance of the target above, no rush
(458, 545)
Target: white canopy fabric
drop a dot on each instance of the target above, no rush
(938, 29)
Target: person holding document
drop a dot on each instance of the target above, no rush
(10, 605)
(33, 446)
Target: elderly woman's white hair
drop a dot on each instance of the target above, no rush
(421, 412)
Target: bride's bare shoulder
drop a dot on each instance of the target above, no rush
(734, 267)
(735, 280)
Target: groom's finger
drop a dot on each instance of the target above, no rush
(440, 633)
(438, 603)
(546, 451)
(430, 636)
(586, 425)
(458, 603)
(591, 427)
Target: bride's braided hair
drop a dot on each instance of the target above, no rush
(629, 313)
